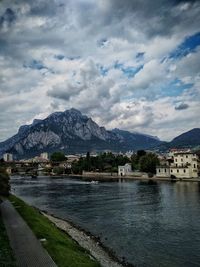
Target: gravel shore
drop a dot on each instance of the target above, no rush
(88, 242)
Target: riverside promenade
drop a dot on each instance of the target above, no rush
(27, 248)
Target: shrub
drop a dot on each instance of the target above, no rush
(58, 170)
(58, 157)
(150, 174)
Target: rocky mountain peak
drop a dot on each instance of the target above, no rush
(72, 132)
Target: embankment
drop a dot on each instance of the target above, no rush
(103, 255)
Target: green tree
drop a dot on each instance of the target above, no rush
(58, 170)
(58, 156)
(148, 163)
(141, 153)
(78, 166)
(135, 158)
(87, 162)
(4, 183)
(105, 162)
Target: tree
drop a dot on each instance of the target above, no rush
(141, 153)
(135, 158)
(105, 162)
(58, 170)
(88, 162)
(148, 163)
(4, 183)
(58, 156)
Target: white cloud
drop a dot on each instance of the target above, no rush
(75, 30)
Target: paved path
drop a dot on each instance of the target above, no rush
(27, 248)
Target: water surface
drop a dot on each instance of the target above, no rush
(149, 225)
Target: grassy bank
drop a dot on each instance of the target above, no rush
(63, 250)
(6, 254)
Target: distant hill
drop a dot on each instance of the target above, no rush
(187, 139)
(72, 132)
(190, 139)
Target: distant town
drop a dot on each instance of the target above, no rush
(181, 164)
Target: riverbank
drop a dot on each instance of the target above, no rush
(116, 178)
(67, 244)
(103, 255)
(105, 178)
(61, 247)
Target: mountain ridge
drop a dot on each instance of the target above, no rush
(72, 132)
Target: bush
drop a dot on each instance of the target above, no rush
(58, 170)
(148, 163)
(150, 174)
(4, 183)
(58, 157)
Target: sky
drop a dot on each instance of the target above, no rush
(131, 64)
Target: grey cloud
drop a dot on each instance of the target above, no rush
(157, 17)
(8, 17)
(181, 106)
(64, 91)
(104, 30)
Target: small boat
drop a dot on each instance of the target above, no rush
(94, 182)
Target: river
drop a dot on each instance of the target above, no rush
(147, 224)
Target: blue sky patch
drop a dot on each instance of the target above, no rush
(35, 64)
(189, 45)
(103, 70)
(129, 71)
(174, 88)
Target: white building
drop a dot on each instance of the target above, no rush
(125, 170)
(7, 157)
(44, 155)
(183, 165)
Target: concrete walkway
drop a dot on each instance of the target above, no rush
(27, 248)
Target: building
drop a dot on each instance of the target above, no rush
(125, 170)
(181, 164)
(7, 157)
(44, 155)
(72, 158)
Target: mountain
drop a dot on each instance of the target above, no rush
(72, 132)
(190, 139)
(141, 141)
(187, 139)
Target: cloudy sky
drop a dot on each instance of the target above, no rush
(131, 64)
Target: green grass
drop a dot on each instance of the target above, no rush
(6, 254)
(63, 250)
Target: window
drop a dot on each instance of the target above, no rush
(177, 171)
(181, 160)
(186, 156)
(171, 170)
(194, 165)
(158, 170)
(165, 170)
(184, 170)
